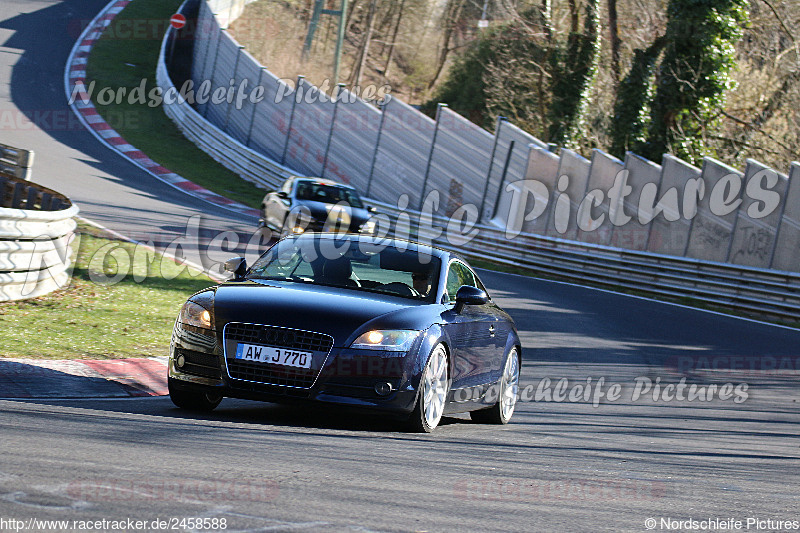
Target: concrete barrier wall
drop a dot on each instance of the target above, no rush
(712, 227)
(509, 156)
(570, 188)
(754, 238)
(351, 153)
(669, 231)
(593, 216)
(628, 230)
(310, 131)
(459, 162)
(397, 155)
(787, 249)
(540, 182)
(402, 153)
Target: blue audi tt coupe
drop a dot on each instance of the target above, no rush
(381, 324)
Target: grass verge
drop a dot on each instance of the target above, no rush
(92, 320)
(126, 54)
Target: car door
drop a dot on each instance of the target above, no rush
(472, 332)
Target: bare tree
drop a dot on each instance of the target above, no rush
(358, 68)
(613, 30)
(393, 38)
(451, 18)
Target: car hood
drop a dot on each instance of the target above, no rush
(319, 211)
(330, 310)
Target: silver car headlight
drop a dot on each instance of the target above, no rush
(368, 226)
(193, 314)
(393, 340)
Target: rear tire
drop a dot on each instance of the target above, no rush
(200, 402)
(500, 412)
(433, 388)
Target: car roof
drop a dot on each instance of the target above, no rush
(388, 241)
(324, 181)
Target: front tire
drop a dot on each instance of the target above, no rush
(433, 388)
(500, 412)
(201, 402)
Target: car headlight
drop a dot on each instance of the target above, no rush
(196, 315)
(368, 226)
(393, 340)
(301, 224)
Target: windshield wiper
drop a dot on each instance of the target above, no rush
(297, 279)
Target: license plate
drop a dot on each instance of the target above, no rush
(273, 355)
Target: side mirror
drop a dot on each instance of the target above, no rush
(371, 209)
(237, 265)
(467, 295)
(282, 195)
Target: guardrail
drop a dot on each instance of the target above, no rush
(15, 162)
(36, 229)
(754, 291)
(227, 151)
(748, 290)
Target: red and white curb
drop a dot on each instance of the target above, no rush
(111, 378)
(75, 75)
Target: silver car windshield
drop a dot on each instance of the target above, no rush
(327, 194)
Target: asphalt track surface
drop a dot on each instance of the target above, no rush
(559, 466)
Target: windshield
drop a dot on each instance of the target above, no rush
(327, 194)
(357, 264)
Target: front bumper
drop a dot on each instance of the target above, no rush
(348, 377)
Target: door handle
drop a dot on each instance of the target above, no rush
(491, 330)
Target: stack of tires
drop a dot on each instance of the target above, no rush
(36, 228)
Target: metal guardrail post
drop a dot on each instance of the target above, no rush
(255, 107)
(498, 126)
(780, 221)
(230, 103)
(25, 162)
(735, 222)
(377, 146)
(697, 212)
(659, 186)
(503, 177)
(202, 70)
(339, 88)
(300, 79)
(439, 107)
(214, 69)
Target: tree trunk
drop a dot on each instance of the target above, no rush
(453, 13)
(613, 29)
(547, 18)
(393, 39)
(574, 22)
(362, 59)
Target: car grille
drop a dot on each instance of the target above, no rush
(308, 341)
